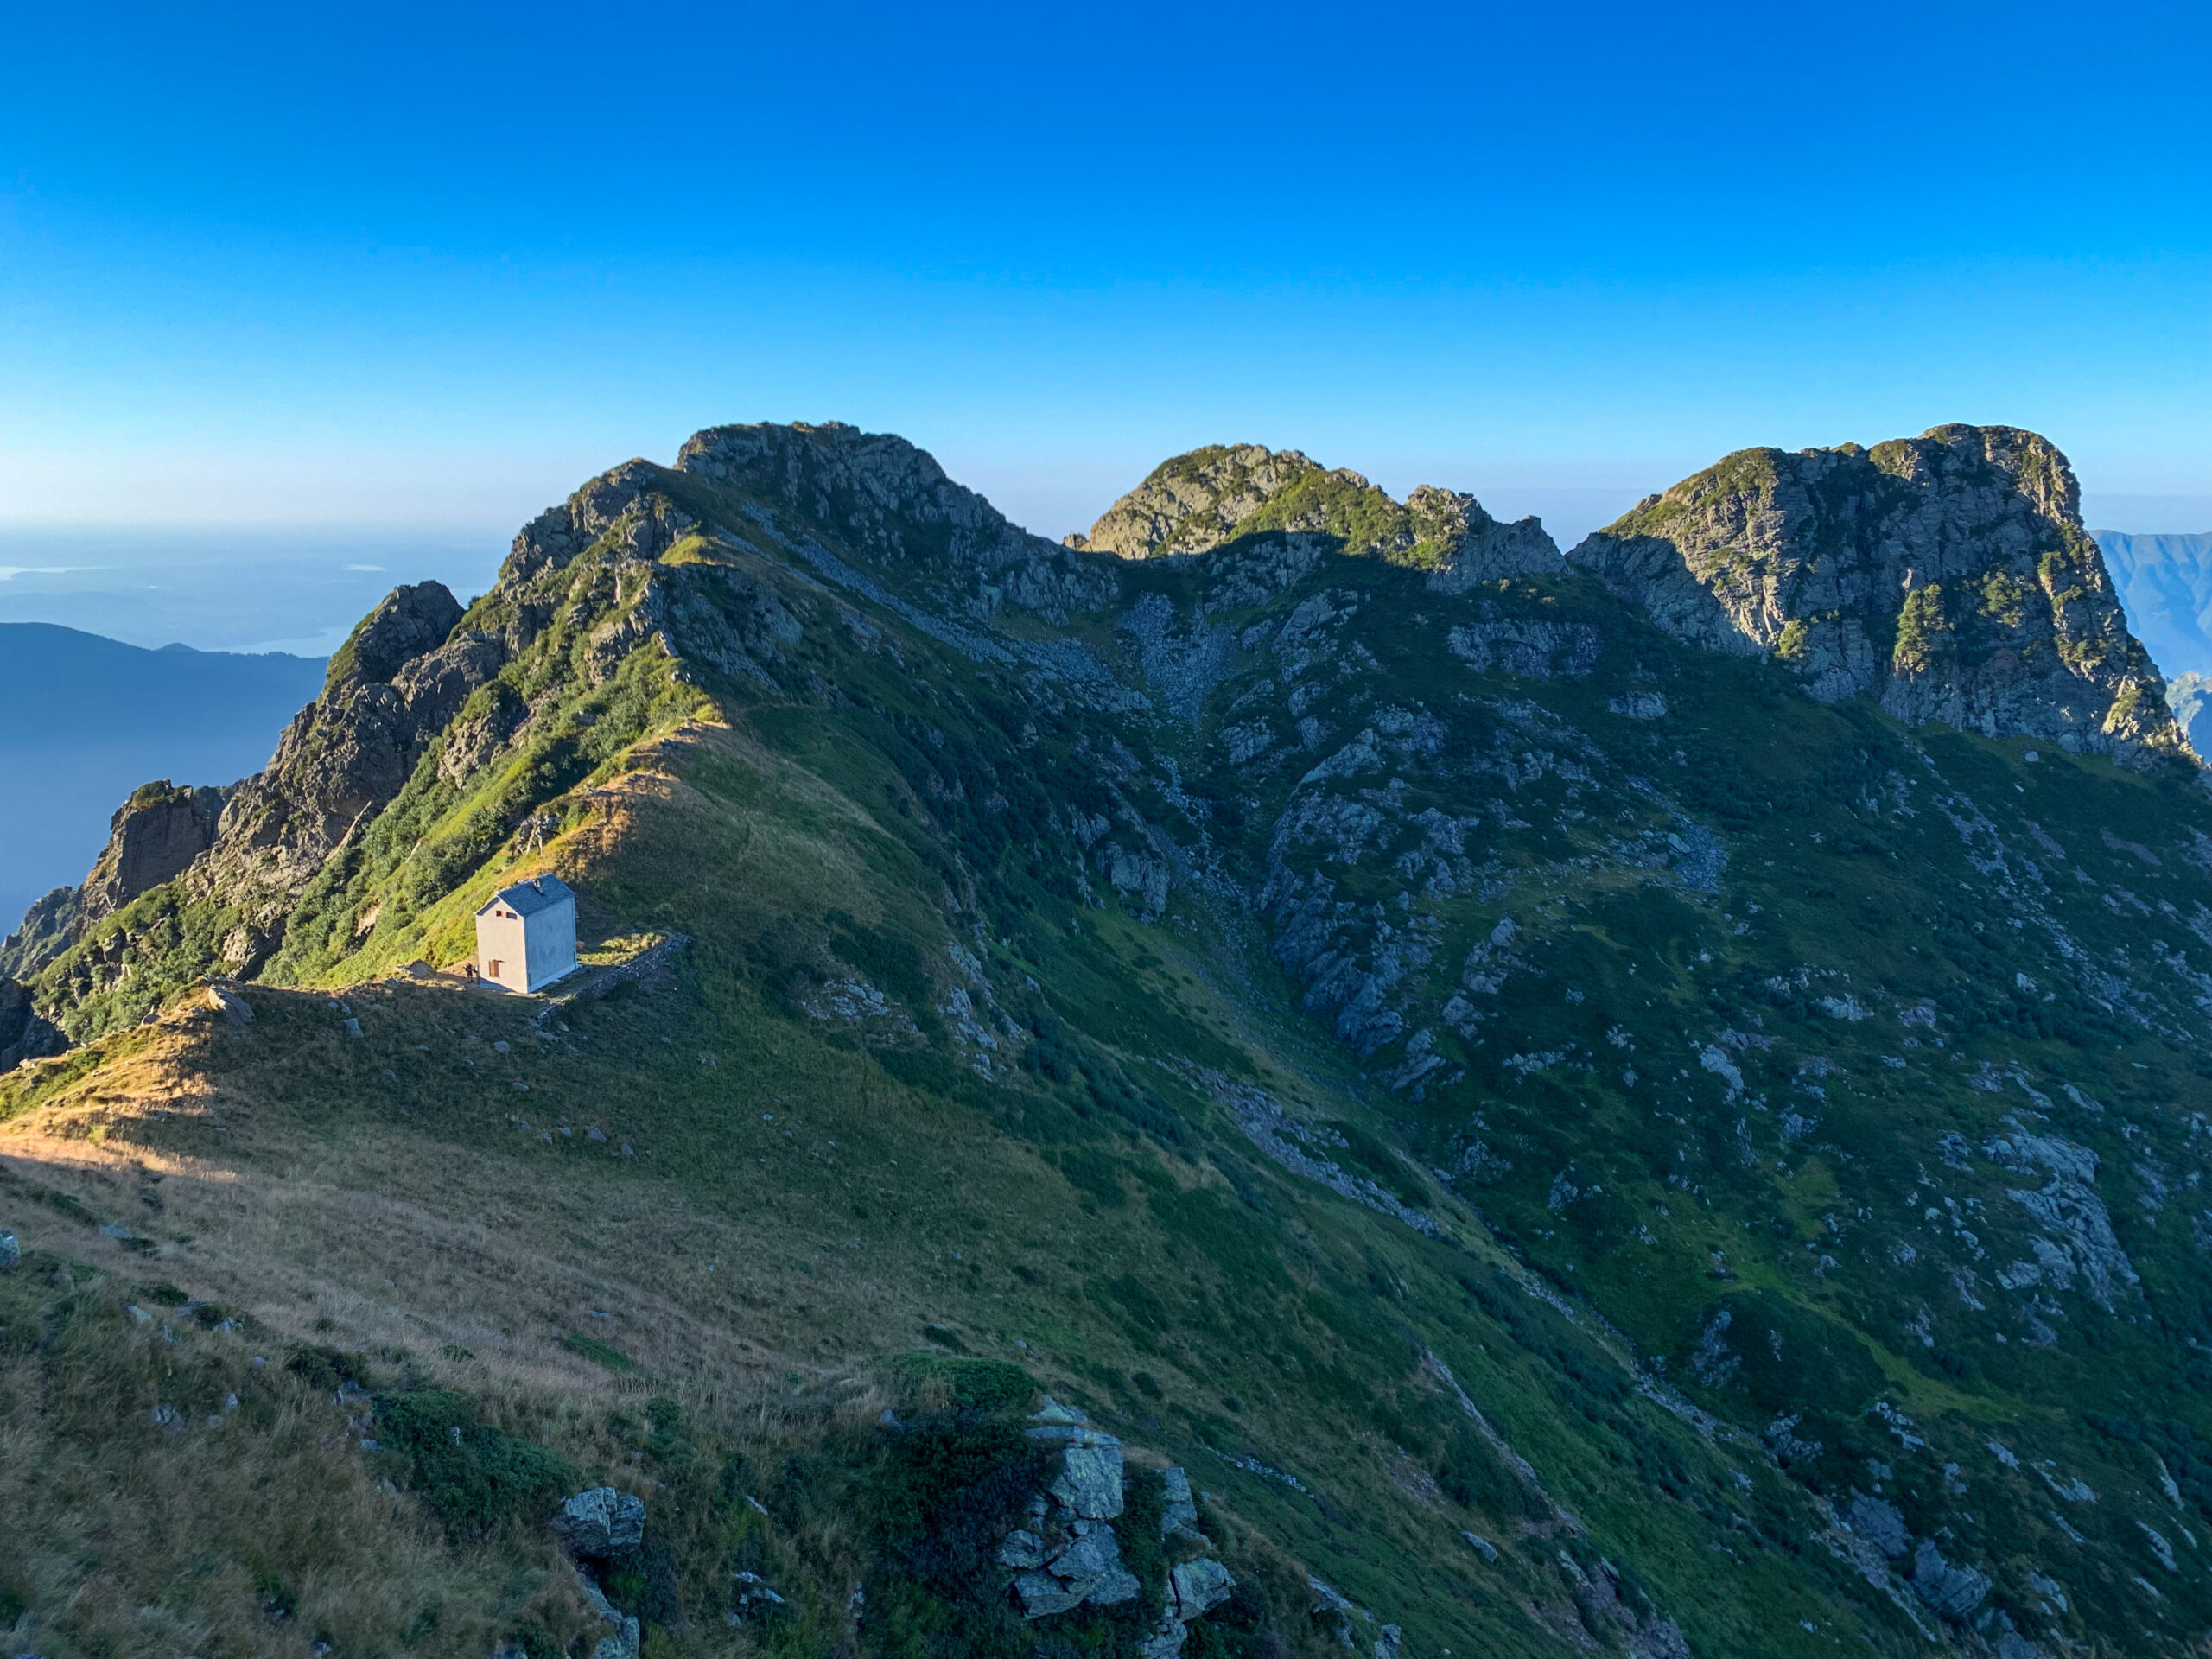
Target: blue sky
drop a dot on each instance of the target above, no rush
(417, 272)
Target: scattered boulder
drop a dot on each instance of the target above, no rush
(753, 1595)
(601, 1525)
(1021, 1550)
(1947, 1589)
(1179, 1516)
(1195, 1587)
(228, 1003)
(10, 1252)
(1090, 1481)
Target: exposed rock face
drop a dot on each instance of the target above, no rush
(393, 686)
(153, 838)
(47, 927)
(23, 1035)
(1212, 496)
(1948, 575)
(601, 1525)
(1201, 500)
(880, 491)
(1477, 547)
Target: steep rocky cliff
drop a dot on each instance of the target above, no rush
(1559, 1139)
(153, 837)
(1947, 576)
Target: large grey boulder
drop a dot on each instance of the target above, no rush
(1194, 1587)
(1089, 1484)
(601, 1525)
(10, 1252)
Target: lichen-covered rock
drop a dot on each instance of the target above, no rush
(1198, 1587)
(1178, 1514)
(1090, 1481)
(601, 1525)
(1948, 575)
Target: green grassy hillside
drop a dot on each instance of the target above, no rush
(1570, 1142)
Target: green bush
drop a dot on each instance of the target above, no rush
(982, 1385)
(476, 1479)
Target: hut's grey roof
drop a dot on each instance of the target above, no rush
(528, 898)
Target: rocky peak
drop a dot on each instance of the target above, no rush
(1948, 575)
(876, 485)
(399, 679)
(408, 622)
(629, 497)
(153, 837)
(1197, 501)
(1203, 500)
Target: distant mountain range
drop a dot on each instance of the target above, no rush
(87, 720)
(2165, 582)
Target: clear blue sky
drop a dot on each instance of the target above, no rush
(428, 267)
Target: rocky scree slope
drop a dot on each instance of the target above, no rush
(1534, 1106)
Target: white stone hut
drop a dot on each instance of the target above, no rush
(526, 936)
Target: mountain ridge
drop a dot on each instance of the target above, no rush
(1526, 1096)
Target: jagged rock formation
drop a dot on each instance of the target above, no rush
(1200, 501)
(153, 837)
(46, 928)
(392, 685)
(1947, 576)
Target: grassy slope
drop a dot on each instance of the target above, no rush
(808, 1196)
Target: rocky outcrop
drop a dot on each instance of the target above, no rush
(601, 1525)
(393, 687)
(1947, 576)
(892, 500)
(1066, 1551)
(1197, 501)
(46, 931)
(1214, 496)
(153, 837)
(23, 1035)
(1476, 548)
